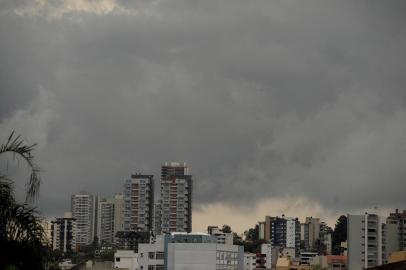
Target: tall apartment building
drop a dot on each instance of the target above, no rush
(326, 244)
(63, 233)
(118, 213)
(176, 198)
(105, 231)
(157, 218)
(366, 241)
(110, 218)
(396, 232)
(311, 233)
(139, 203)
(84, 210)
(282, 232)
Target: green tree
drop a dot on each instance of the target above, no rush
(21, 232)
(339, 234)
(226, 229)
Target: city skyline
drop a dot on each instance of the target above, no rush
(277, 107)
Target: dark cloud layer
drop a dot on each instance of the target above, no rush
(261, 99)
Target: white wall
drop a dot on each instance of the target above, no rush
(126, 259)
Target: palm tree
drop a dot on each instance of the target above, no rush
(16, 145)
(21, 232)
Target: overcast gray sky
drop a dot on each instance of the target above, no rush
(275, 105)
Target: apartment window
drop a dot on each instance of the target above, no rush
(159, 267)
(117, 259)
(151, 255)
(151, 267)
(159, 256)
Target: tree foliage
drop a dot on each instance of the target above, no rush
(21, 232)
(339, 234)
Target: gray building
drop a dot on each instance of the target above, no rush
(311, 233)
(63, 233)
(84, 210)
(366, 241)
(176, 198)
(396, 232)
(110, 218)
(139, 203)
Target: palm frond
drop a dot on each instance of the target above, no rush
(16, 145)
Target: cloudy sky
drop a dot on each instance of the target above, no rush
(295, 107)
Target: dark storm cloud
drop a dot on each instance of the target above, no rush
(303, 98)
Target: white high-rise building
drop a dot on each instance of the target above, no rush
(366, 241)
(176, 198)
(63, 233)
(84, 210)
(139, 203)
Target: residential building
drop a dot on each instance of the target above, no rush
(306, 257)
(325, 241)
(281, 232)
(396, 232)
(105, 232)
(129, 240)
(330, 262)
(222, 237)
(84, 210)
(311, 233)
(126, 259)
(139, 203)
(157, 218)
(192, 251)
(250, 261)
(266, 249)
(63, 233)
(365, 240)
(110, 219)
(118, 213)
(47, 227)
(261, 230)
(176, 198)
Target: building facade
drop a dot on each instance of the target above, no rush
(139, 203)
(176, 198)
(365, 241)
(222, 237)
(63, 233)
(110, 219)
(190, 251)
(396, 232)
(311, 233)
(84, 210)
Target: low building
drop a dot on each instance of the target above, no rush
(331, 262)
(129, 240)
(192, 251)
(397, 256)
(288, 264)
(222, 237)
(126, 259)
(266, 249)
(307, 257)
(250, 261)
